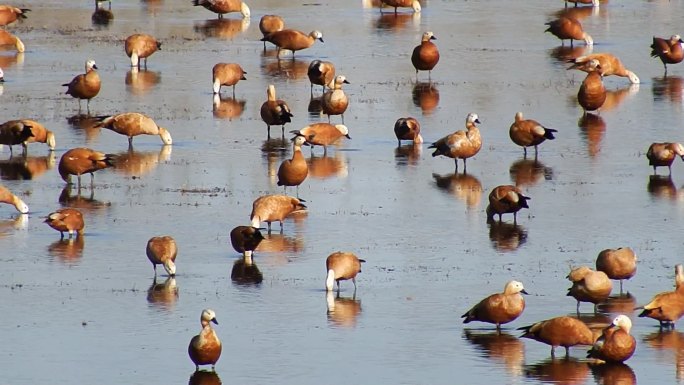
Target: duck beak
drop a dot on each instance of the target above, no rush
(349, 137)
(478, 121)
(524, 292)
(214, 320)
(346, 81)
(433, 38)
(321, 39)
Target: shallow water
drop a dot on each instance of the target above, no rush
(88, 310)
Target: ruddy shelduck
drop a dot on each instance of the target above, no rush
(85, 86)
(140, 46)
(275, 112)
(222, 7)
(6, 196)
(528, 132)
(589, 286)
(610, 66)
(335, 101)
(569, 28)
(426, 55)
(461, 144)
(506, 199)
(323, 134)
(668, 50)
(10, 14)
(162, 250)
(341, 266)
(292, 40)
(133, 124)
(499, 308)
(407, 129)
(274, 208)
(594, 3)
(40, 134)
(592, 93)
(413, 4)
(321, 73)
(560, 331)
(66, 220)
(15, 132)
(7, 38)
(269, 24)
(205, 348)
(664, 154)
(81, 160)
(620, 263)
(667, 307)
(615, 343)
(245, 239)
(292, 172)
(226, 74)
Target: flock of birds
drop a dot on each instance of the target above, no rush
(613, 344)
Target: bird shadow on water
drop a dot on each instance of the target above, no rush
(224, 107)
(528, 172)
(79, 201)
(662, 187)
(163, 295)
(506, 237)
(425, 96)
(567, 370)
(204, 377)
(140, 82)
(462, 186)
(408, 154)
(499, 346)
(26, 167)
(613, 374)
(67, 250)
(592, 129)
(225, 29)
(246, 273)
(342, 311)
(390, 21)
(668, 88)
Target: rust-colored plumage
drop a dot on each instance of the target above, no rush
(615, 343)
(133, 124)
(668, 50)
(66, 220)
(461, 144)
(667, 307)
(589, 286)
(528, 133)
(274, 208)
(40, 134)
(568, 28)
(7, 38)
(81, 160)
(664, 154)
(413, 4)
(407, 129)
(292, 40)
(162, 251)
(222, 7)
(560, 331)
(321, 73)
(205, 348)
(85, 86)
(275, 112)
(592, 93)
(292, 172)
(506, 199)
(10, 14)
(6, 196)
(269, 24)
(499, 308)
(140, 46)
(617, 263)
(335, 101)
(341, 266)
(226, 74)
(426, 55)
(610, 65)
(245, 239)
(15, 132)
(323, 134)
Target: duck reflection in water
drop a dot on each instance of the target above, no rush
(500, 347)
(284, 69)
(281, 247)
(26, 167)
(425, 96)
(464, 187)
(613, 374)
(592, 128)
(66, 199)
(85, 123)
(7, 226)
(342, 312)
(579, 13)
(668, 88)
(528, 172)
(672, 341)
(506, 237)
(225, 107)
(204, 377)
(245, 272)
(618, 304)
(224, 28)
(101, 16)
(390, 21)
(324, 167)
(163, 295)
(8, 61)
(563, 54)
(274, 150)
(662, 187)
(140, 82)
(566, 371)
(315, 107)
(408, 154)
(614, 98)
(139, 163)
(67, 250)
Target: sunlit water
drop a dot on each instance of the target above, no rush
(88, 310)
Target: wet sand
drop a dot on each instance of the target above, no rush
(88, 310)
